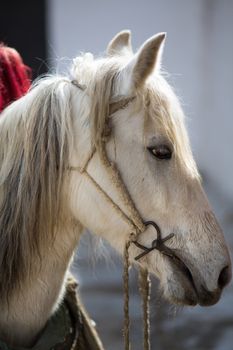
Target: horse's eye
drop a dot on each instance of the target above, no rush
(160, 151)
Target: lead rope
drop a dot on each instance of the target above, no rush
(126, 331)
(145, 290)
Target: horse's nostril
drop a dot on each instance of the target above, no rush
(224, 277)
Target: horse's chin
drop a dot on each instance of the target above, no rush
(179, 288)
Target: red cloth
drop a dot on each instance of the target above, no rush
(14, 76)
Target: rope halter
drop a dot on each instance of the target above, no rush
(137, 226)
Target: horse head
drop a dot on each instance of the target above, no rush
(128, 104)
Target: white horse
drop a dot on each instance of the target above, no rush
(53, 185)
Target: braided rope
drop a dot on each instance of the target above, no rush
(126, 331)
(145, 289)
(110, 201)
(119, 184)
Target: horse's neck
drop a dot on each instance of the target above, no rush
(27, 312)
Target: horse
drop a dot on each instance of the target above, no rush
(104, 148)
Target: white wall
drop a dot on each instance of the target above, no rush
(198, 54)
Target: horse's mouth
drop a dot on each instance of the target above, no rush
(186, 279)
(193, 294)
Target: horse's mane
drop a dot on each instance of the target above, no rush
(35, 139)
(34, 133)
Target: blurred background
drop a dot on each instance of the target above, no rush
(198, 56)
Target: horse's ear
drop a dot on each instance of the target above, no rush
(120, 44)
(145, 61)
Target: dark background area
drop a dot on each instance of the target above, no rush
(23, 26)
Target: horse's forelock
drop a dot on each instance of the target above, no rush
(102, 91)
